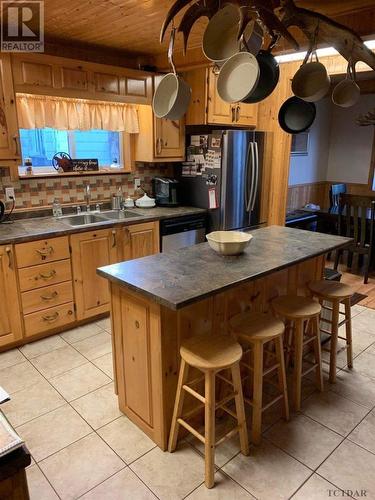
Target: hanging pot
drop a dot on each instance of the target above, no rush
(296, 115)
(269, 74)
(238, 77)
(220, 39)
(173, 94)
(347, 92)
(312, 81)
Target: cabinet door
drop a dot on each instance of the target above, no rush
(218, 111)
(246, 114)
(169, 138)
(9, 141)
(141, 240)
(89, 251)
(10, 319)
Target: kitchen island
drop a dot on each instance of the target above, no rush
(160, 300)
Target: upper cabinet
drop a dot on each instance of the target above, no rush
(206, 107)
(159, 140)
(9, 141)
(51, 75)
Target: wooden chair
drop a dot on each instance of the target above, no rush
(254, 331)
(209, 355)
(335, 293)
(335, 191)
(356, 220)
(301, 315)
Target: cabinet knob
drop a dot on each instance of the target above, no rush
(137, 324)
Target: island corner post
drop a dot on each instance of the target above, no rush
(147, 334)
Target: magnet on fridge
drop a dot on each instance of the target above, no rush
(212, 199)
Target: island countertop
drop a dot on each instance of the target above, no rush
(179, 278)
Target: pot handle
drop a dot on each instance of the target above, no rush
(350, 72)
(170, 50)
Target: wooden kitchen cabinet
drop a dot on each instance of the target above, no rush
(140, 240)
(59, 76)
(206, 107)
(10, 316)
(9, 135)
(159, 140)
(91, 250)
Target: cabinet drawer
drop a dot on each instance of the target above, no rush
(38, 252)
(48, 319)
(45, 274)
(48, 296)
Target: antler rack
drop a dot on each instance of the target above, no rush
(276, 17)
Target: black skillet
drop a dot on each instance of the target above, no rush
(269, 74)
(296, 115)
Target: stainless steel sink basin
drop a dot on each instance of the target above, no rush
(118, 214)
(83, 219)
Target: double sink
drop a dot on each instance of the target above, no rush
(88, 218)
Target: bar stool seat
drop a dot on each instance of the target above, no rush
(210, 355)
(295, 306)
(335, 293)
(330, 289)
(259, 326)
(255, 330)
(301, 315)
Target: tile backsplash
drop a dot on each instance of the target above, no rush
(40, 193)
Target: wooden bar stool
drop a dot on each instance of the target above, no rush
(209, 355)
(254, 331)
(335, 293)
(302, 317)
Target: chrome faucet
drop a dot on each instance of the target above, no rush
(87, 196)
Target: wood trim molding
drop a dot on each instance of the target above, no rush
(372, 165)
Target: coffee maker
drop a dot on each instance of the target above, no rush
(166, 191)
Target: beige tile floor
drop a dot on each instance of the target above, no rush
(63, 405)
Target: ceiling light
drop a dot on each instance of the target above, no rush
(328, 51)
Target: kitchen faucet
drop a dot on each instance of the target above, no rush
(87, 196)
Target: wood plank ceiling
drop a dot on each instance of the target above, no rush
(132, 26)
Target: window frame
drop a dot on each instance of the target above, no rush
(126, 155)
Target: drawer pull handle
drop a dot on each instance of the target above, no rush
(10, 257)
(49, 297)
(45, 251)
(48, 276)
(114, 239)
(52, 317)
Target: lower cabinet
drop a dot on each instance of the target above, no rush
(10, 315)
(89, 251)
(140, 240)
(47, 285)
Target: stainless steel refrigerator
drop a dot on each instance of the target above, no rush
(225, 173)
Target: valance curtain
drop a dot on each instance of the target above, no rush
(36, 111)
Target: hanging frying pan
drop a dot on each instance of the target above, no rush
(269, 74)
(296, 115)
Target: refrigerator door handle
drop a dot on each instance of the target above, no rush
(256, 175)
(247, 183)
(248, 206)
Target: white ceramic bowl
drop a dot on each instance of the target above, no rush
(145, 202)
(229, 242)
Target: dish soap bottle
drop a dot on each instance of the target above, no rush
(56, 208)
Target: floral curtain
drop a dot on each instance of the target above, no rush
(36, 111)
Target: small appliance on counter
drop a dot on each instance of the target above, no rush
(166, 191)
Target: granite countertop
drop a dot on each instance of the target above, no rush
(47, 227)
(179, 278)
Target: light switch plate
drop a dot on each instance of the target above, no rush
(9, 194)
(137, 183)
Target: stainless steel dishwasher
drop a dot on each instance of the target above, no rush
(181, 232)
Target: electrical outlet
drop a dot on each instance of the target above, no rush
(9, 194)
(137, 183)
